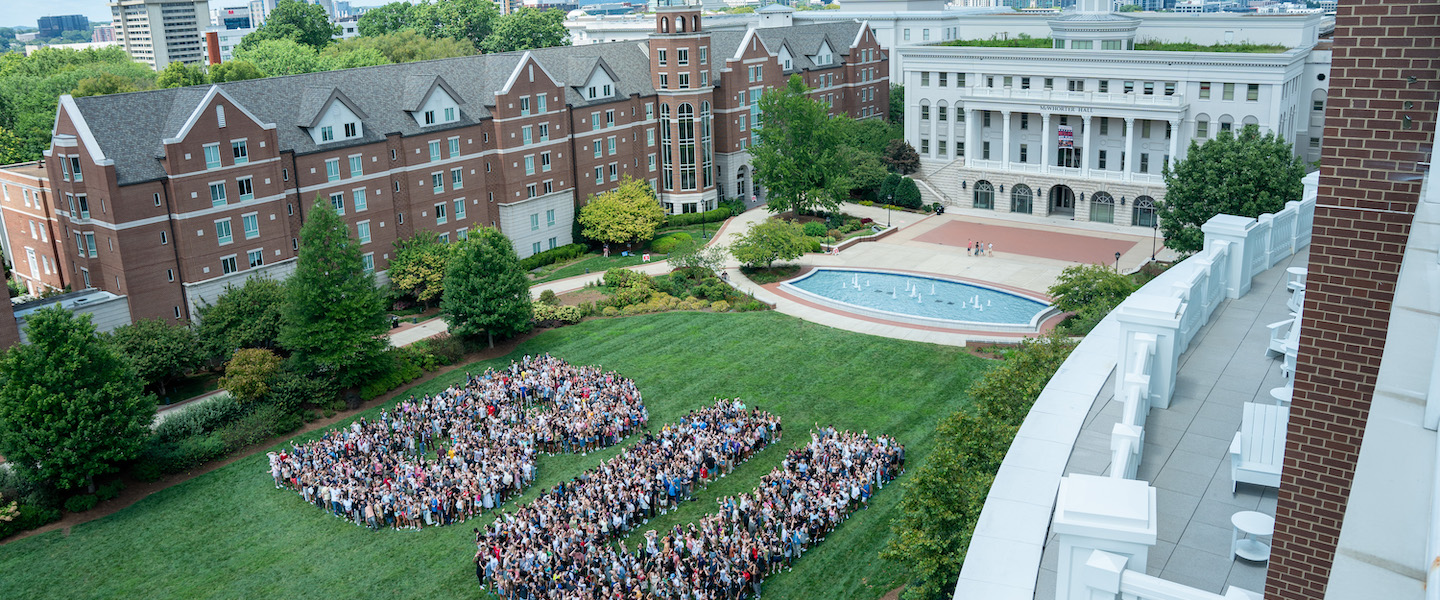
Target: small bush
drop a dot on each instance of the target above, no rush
(256, 427)
(207, 416)
(448, 348)
(558, 314)
(328, 413)
(109, 490)
(866, 203)
(553, 255)
(815, 229)
(618, 277)
(813, 245)
(751, 306)
(709, 216)
(26, 516)
(834, 234)
(667, 243)
(611, 311)
(720, 306)
(548, 297)
(81, 503)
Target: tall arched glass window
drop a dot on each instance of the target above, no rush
(984, 195)
(666, 150)
(1143, 213)
(1102, 207)
(685, 119)
(1021, 199)
(705, 154)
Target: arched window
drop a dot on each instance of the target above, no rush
(667, 175)
(1143, 212)
(664, 24)
(924, 110)
(942, 111)
(1102, 207)
(680, 25)
(695, 23)
(1202, 126)
(984, 195)
(1021, 200)
(705, 154)
(1227, 123)
(742, 182)
(685, 119)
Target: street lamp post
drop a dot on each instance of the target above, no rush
(888, 201)
(1117, 262)
(1154, 229)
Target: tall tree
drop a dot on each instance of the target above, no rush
(902, 157)
(70, 406)
(485, 289)
(249, 372)
(897, 104)
(333, 320)
(297, 21)
(1248, 174)
(158, 351)
(526, 29)
(764, 243)
(179, 74)
(386, 19)
(352, 58)
(282, 57)
(797, 155)
(418, 269)
(628, 213)
(405, 46)
(470, 20)
(102, 84)
(247, 316)
(234, 70)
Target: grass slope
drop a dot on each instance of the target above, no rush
(230, 534)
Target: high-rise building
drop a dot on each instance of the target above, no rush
(158, 32)
(54, 26)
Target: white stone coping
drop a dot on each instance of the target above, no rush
(1031, 327)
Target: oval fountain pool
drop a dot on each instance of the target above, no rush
(920, 299)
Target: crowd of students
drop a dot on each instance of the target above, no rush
(560, 547)
(444, 458)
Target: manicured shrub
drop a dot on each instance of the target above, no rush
(814, 245)
(557, 314)
(611, 311)
(834, 234)
(720, 306)
(81, 503)
(25, 516)
(204, 417)
(709, 216)
(815, 229)
(552, 256)
(668, 242)
(548, 297)
(751, 306)
(619, 277)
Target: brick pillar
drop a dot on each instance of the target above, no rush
(1369, 187)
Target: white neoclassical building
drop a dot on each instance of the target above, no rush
(1083, 128)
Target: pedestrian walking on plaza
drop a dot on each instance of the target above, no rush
(991, 249)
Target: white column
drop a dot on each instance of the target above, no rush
(1005, 140)
(934, 126)
(1085, 150)
(970, 148)
(1128, 155)
(1174, 141)
(1046, 137)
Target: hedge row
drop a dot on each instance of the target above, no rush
(553, 256)
(709, 216)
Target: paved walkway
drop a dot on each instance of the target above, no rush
(1186, 454)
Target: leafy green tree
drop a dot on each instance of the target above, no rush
(469, 20)
(12, 148)
(249, 372)
(297, 21)
(907, 194)
(356, 57)
(333, 320)
(869, 135)
(158, 351)
(247, 316)
(405, 46)
(527, 29)
(71, 407)
(1091, 292)
(769, 241)
(102, 84)
(897, 104)
(627, 214)
(282, 57)
(234, 70)
(902, 157)
(694, 253)
(485, 289)
(867, 171)
(888, 187)
(387, 19)
(797, 154)
(1248, 174)
(1130, 8)
(418, 269)
(178, 74)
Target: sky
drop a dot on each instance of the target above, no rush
(25, 12)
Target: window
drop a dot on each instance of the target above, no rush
(1204, 90)
(257, 258)
(212, 156)
(332, 169)
(1104, 86)
(650, 136)
(925, 34)
(429, 117)
(434, 150)
(652, 162)
(1102, 208)
(610, 145)
(544, 161)
(350, 130)
(459, 208)
(1129, 87)
(1167, 130)
(170, 276)
(943, 78)
(662, 57)
(367, 261)
(455, 179)
(356, 166)
(610, 118)
(595, 121)
(525, 135)
(1169, 88)
(1149, 88)
(684, 81)
(1024, 83)
(217, 194)
(1318, 106)
(1202, 129)
(238, 150)
(539, 109)
(462, 233)
(682, 57)
(664, 81)
(82, 202)
(984, 195)
(454, 147)
(1024, 152)
(327, 133)
(1102, 160)
(535, 222)
(1111, 45)
(742, 122)
(524, 106)
(1252, 94)
(337, 202)
(440, 214)
(550, 218)
(227, 265)
(599, 148)
(1082, 45)
(614, 172)
(164, 238)
(222, 232)
(1145, 128)
(599, 175)
(530, 191)
(251, 224)
(985, 118)
(1144, 162)
(535, 248)
(1229, 93)
(924, 78)
(907, 35)
(544, 132)
(1076, 85)
(449, 114)
(361, 203)
(984, 149)
(1104, 126)
(1049, 83)
(437, 182)
(704, 55)
(1024, 120)
(530, 164)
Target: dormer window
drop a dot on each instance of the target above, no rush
(350, 130)
(787, 64)
(429, 117)
(450, 114)
(327, 134)
(593, 92)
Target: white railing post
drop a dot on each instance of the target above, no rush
(1101, 513)
(1236, 231)
(1129, 439)
(1267, 245)
(1104, 572)
(1159, 316)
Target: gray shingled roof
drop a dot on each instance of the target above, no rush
(130, 127)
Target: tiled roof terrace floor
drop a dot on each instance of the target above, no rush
(1186, 452)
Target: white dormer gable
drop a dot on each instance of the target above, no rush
(337, 123)
(787, 61)
(438, 109)
(600, 85)
(825, 57)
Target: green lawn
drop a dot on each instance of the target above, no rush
(230, 534)
(595, 264)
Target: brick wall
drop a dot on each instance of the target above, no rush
(1369, 186)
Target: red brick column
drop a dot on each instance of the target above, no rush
(1369, 186)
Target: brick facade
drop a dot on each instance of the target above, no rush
(1379, 130)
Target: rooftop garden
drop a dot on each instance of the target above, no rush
(1193, 47)
(1024, 41)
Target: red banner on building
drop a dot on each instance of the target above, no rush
(1067, 137)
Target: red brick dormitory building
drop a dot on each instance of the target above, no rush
(166, 196)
